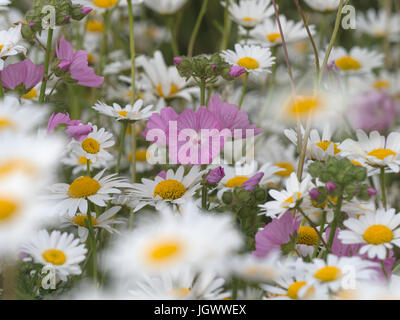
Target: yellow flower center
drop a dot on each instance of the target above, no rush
(83, 187)
(95, 26)
(172, 91)
(54, 256)
(17, 165)
(284, 165)
(236, 181)
(378, 234)
(295, 287)
(303, 105)
(381, 154)
(141, 155)
(272, 37)
(380, 84)
(169, 189)
(348, 63)
(90, 58)
(8, 208)
(6, 123)
(307, 235)
(32, 94)
(290, 199)
(164, 251)
(123, 113)
(248, 63)
(90, 146)
(83, 160)
(249, 19)
(324, 145)
(180, 293)
(356, 163)
(105, 3)
(328, 274)
(81, 220)
(1, 47)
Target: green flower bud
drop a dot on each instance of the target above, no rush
(227, 197)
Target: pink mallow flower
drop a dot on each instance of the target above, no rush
(77, 64)
(75, 128)
(230, 117)
(24, 73)
(160, 121)
(215, 175)
(253, 182)
(275, 234)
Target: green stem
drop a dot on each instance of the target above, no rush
(332, 41)
(246, 78)
(335, 220)
(133, 161)
(203, 93)
(132, 49)
(321, 231)
(174, 42)
(227, 26)
(103, 49)
(88, 168)
(235, 288)
(121, 144)
(204, 196)
(46, 65)
(304, 149)
(92, 244)
(9, 281)
(383, 187)
(197, 27)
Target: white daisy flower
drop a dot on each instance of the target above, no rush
(95, 145)
(286, 199)
(173, 241)
(17, 117)
(357, 60)
(10, 43)
(100, 6)
(75, 196)
(377, 24)
(249, 13)
(135, 113)
(374, 150)
(268, 33)
(318, 147)
(182, 285)
(166, 81)
(378, 231)
(323, 5)
(59, 250)
(165, 7)
(76, 158)
(253, 58)
(105, 221)
(332, 272)
(176, 189)
(4, 4)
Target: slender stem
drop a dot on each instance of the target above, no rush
(197, 27)
(204, 196)
(133, 160)
(309, 34)
(246, 78)
(313, 226)
(332, 41)
(9, 281)
(304, 149)
(54, 88)
(203, 93)
(93, 244)
(321, 231)
(132, 49)
(335, 220)
(174, 42)
(88, 168)
(235, 288)
(121, 144)
(386, 39)
(227, 26)
(103, 49)
(46, 65)
(383, 187)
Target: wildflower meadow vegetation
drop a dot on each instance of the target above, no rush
(199, 149)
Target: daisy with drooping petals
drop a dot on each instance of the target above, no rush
(323, 5)
(61, 251)
(375, 150)
(183, 285)
(174, 241)
(254, 59)
(377, 24)
(268, 33)
(249, 13)
(357, 60)
(135, 113)
(286, 199)
(10, 43)
(318, 147)
(75, 196)
(176, 188)
(378, 231)
(166, 81)
(332, 272)
(77, 159)
(95, 145)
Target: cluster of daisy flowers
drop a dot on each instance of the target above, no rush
(134, 165)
